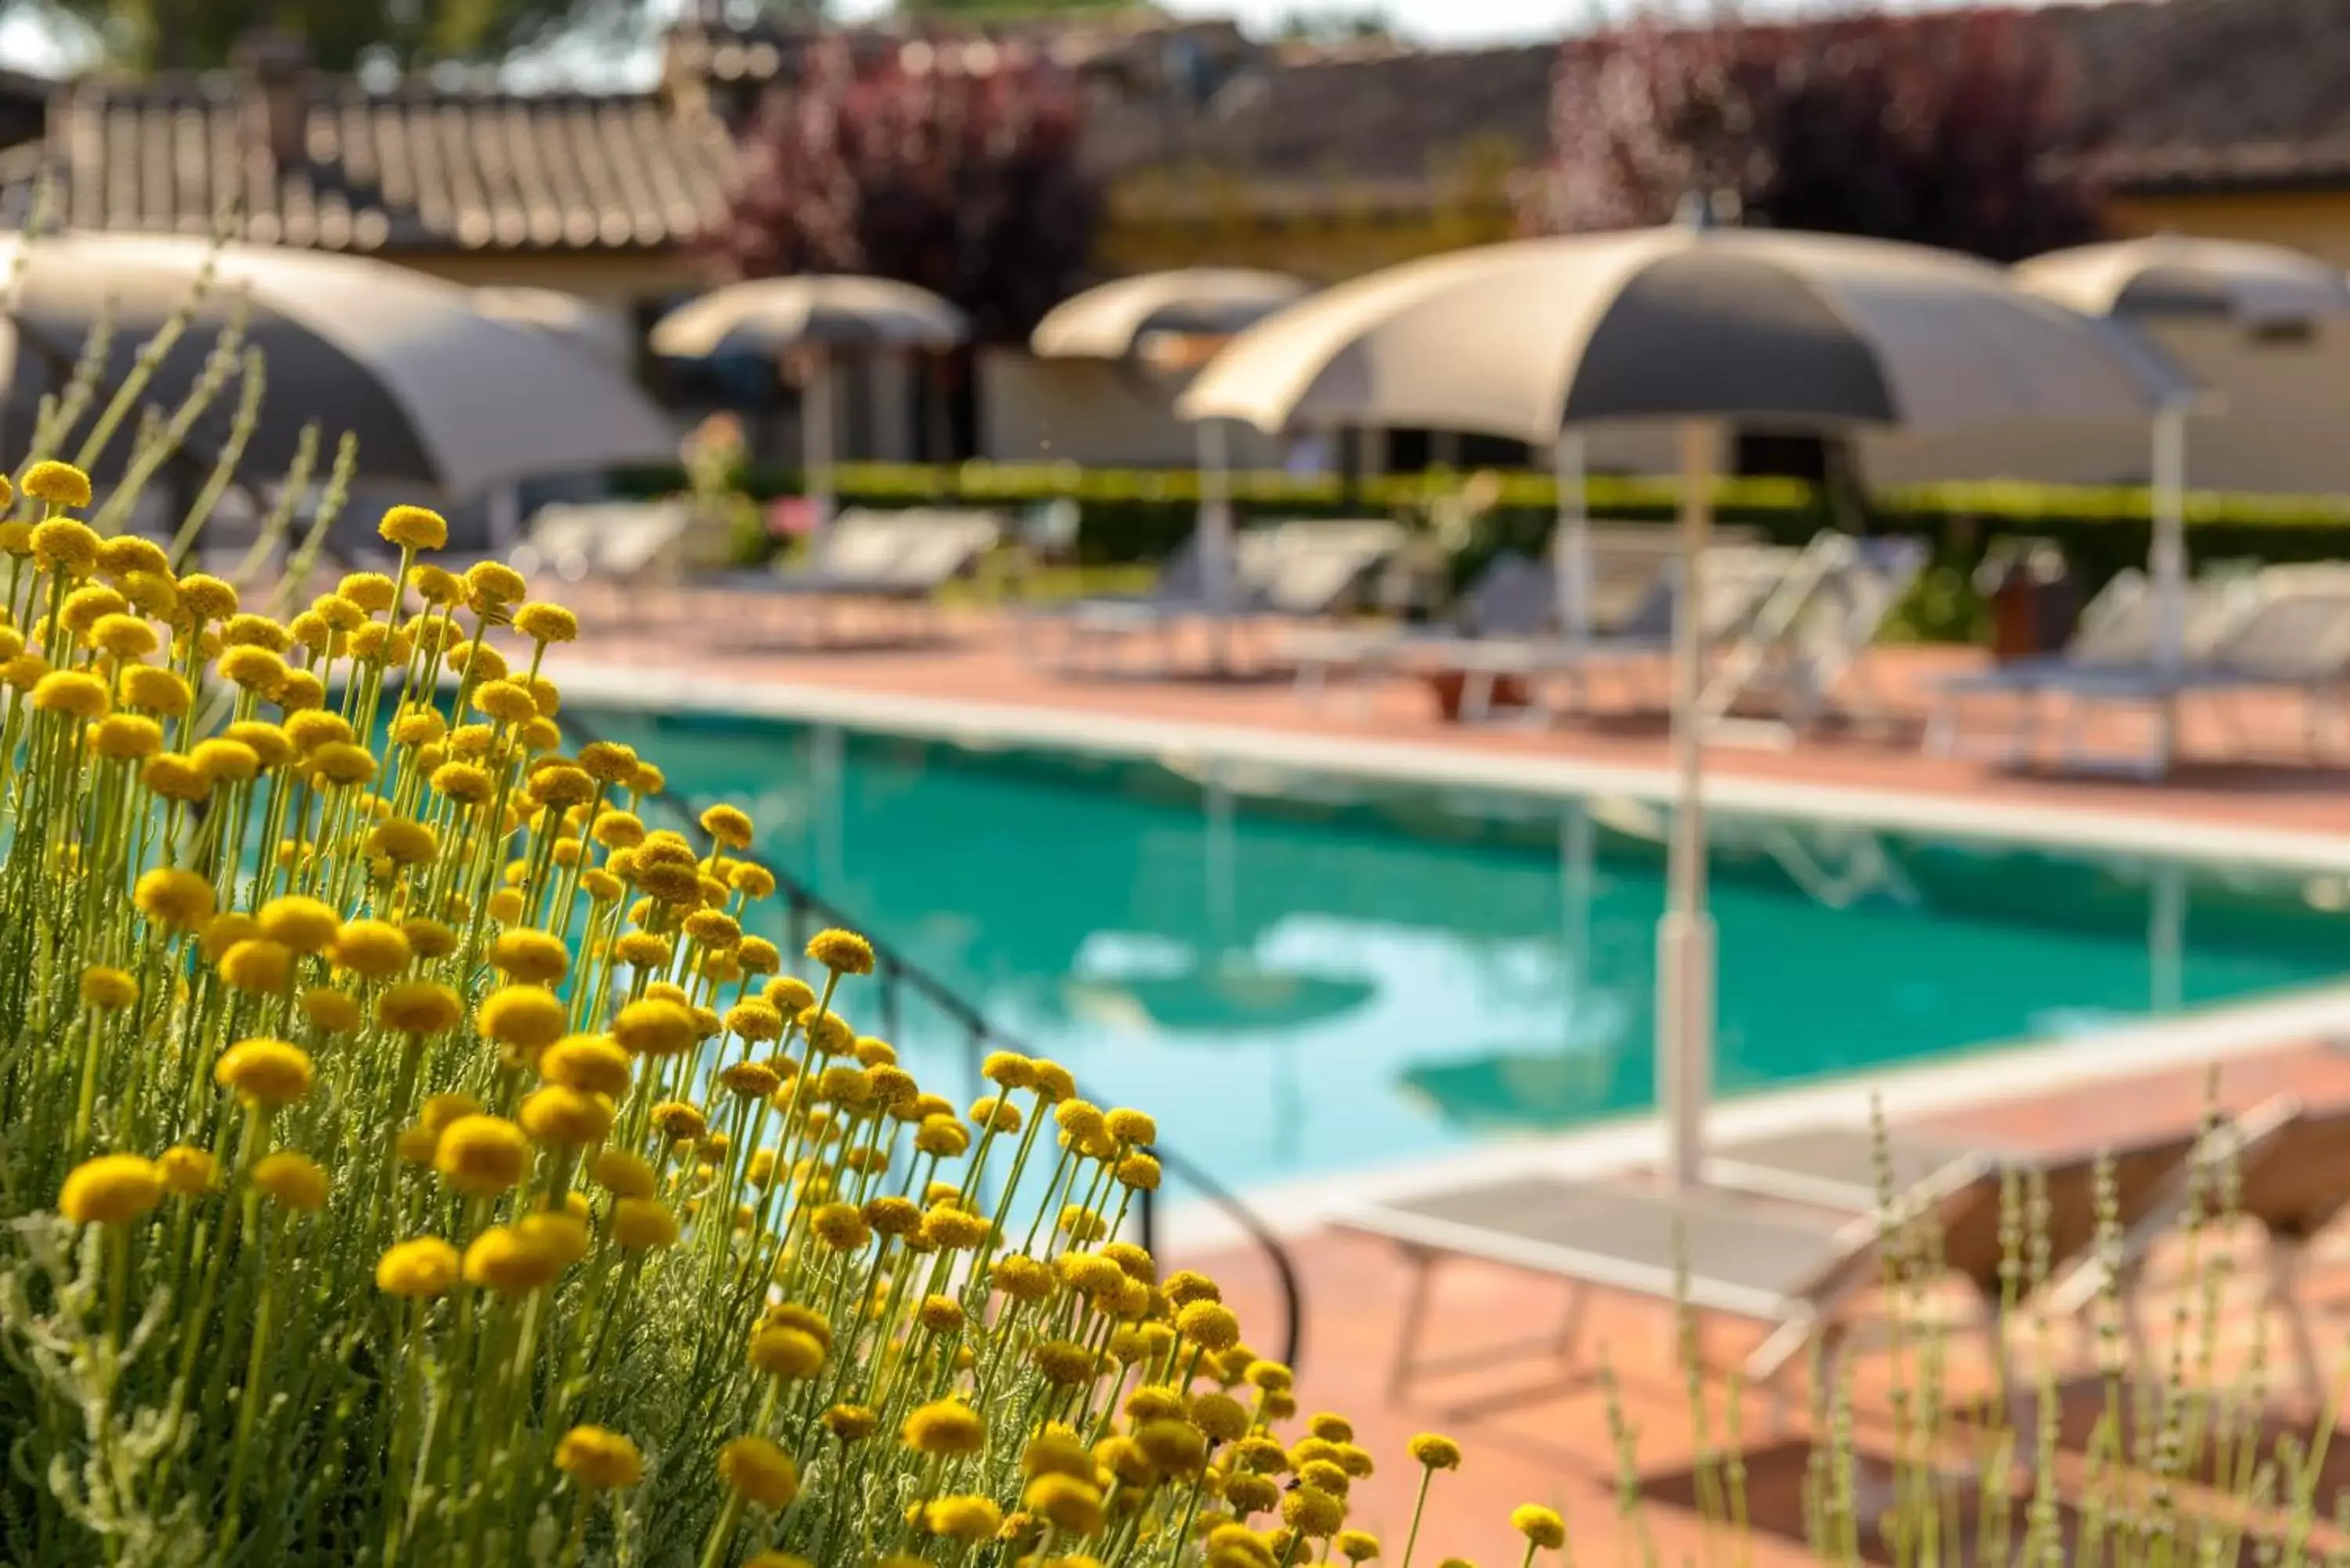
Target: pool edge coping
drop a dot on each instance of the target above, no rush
(1173, 742)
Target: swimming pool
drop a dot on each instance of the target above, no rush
(1307, 975)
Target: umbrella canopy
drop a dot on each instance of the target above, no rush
(1113, 321)
(1704, 328)
(594, 328)
(771, 315)
(439, 395)
(2172, 276)
(1773, 329)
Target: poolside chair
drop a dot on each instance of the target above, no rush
(1786, 1232)
(1807, 642)
(1515, 600)
(1296, 569)
(1737, 581)
(613, 556)
(901, 558)
(2288, 632)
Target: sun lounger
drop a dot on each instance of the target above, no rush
(609, 553)
(1787, 1231)
(864, 557)
(1297, 569)
(1739, 579)
(2287, 632)
(1808, 640)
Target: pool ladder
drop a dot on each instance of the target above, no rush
(806, 911)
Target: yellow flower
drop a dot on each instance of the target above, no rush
(414, 528)
(547, 623)
(1131, 1127)
(570, 1116)
(842, 953)
(621, 1173)
(525, 1018)
(563, 1233)
(638, 1224)
(587, 1062)
(269, 1073)
(789, 995)
(330, 1011)
(678, 1122)
(729, 825)
(73, 691)
(463, 782)
(945, 1427)
(759, 1472)
(1219, 1416)
(851, 1423)
(1247, 1494)
(110, 1190)
(255, 669)
(482, 1155)
(257, 965)
(126, 636)
(1355, 1545)
(223, 761)
(785, 1351)
(60, 485)
(187, 1170)
(963, 1518)
(419, 1007)
(342, 762)
(655, 1028)
(107, 989)
(156, 690)
(534, 957)
(1438, 1453)
(291, 1179)
(599, 1459)
(506, 1260)
(1542, 1526)
(305, 925)
(373, 948)
(126, 737)
(506, 700)
(751, 1080)
(1313, 1512)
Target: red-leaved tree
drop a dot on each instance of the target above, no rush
(952, 164)
(1957, 129)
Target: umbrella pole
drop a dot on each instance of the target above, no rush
(2168, 549)
(1571, 539)
(816, 441)
(1685, 936)
(1215, 525)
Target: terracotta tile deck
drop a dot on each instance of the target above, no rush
(1533, 1433)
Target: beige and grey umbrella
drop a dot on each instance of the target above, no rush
(440, 396)
(804, 322)
(1700, 328)
(598, 329)
(1127, 319)
(2171, 278)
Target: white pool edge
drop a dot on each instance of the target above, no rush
(1188, 743)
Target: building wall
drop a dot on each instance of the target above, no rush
(2317, 222)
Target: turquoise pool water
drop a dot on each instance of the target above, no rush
(1313, 977)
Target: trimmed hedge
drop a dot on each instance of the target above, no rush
(1141, 515)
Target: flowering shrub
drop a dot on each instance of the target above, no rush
(411, 1157)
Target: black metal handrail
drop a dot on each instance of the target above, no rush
(806, 909)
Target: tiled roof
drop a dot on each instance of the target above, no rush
(2215, 94)
(2175, 94)
(1374, 114)
(412, 170)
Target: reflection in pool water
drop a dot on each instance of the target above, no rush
(1332, 977)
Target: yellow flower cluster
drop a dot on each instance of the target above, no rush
(509, 1196)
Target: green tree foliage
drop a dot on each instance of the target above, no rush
(168, 35)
